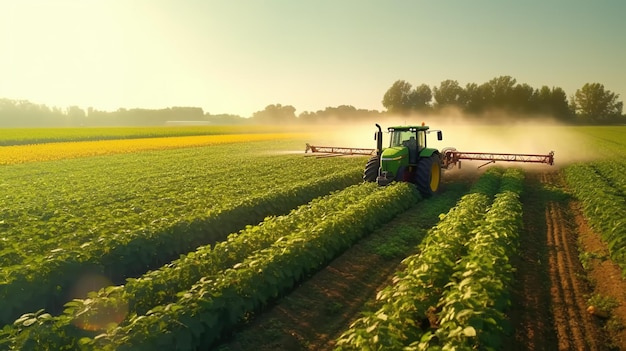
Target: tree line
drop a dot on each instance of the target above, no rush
(591, 104)
(23, 113)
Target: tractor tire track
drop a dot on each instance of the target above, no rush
(530, 312)
(549, 308)
(574, 328)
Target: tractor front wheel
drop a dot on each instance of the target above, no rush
(371, 169)
(428, 175)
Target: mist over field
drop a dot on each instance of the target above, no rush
(491, 133)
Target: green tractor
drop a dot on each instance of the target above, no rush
(407, 159)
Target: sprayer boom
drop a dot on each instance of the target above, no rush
(327, 151)
(451, 157)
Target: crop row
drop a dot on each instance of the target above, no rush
(160, 287)
(402, 309)
(603, 205)
(452, 294)
(613, 172)
(301, 242)
(472, 308)
(118, 219)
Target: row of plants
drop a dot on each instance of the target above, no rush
(471, 312)
(405, 310)
(613, 172)
(307, 239)
(79, 200)
(158, 287)
(603, 206)
(139, 222)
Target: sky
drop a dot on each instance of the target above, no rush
(237, 56)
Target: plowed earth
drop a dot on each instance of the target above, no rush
(550, 298)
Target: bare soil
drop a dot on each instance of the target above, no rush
(550, 297)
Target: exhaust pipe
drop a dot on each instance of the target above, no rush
(379, 140)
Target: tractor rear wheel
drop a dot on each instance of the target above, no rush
(428, 175)
(371, 169)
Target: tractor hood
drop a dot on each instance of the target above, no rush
(394, 154)
(391, 159)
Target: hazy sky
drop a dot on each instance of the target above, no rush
(239, 56)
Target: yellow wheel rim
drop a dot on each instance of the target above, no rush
(434, 177)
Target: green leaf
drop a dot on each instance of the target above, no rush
(469, 331)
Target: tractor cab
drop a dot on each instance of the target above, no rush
(413, 138)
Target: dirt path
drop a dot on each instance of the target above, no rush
(549, 311)
(605, 277)
(309, 318)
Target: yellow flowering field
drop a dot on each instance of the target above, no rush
(23, 136)
(65, 150)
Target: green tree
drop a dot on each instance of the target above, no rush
(502, 91)
(449, 93)
(522, 98)
(552, 102)
(397, 98)
(402, 98)
(593, 103)
(419, 98)
(479, 97)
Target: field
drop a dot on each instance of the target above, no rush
(230, 238)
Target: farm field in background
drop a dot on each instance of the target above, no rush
(218, 237)
(24, 136)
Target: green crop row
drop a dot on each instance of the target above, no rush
(403, 309)
(56, 205)
(159, 287)
(118, 217)
(217, 302)
(603, 205)
(613, 172)
(472, 309)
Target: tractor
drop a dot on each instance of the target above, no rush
(409, 159)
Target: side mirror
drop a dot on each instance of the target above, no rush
(439, 135)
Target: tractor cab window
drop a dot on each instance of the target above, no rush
(401, 138)
(407, 138)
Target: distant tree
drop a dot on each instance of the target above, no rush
(479, 97)
(276, 113)
(402, 98)
(420, 98)
(449, 93)
(397, 98)
(76, 116)
(502, 91)
(552, 102)
(522, 98)
(593, 103)
(225, 119)
(341, 113)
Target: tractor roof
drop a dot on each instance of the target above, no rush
(408, 128)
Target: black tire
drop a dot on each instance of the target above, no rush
(371, 169)
(428, 175)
